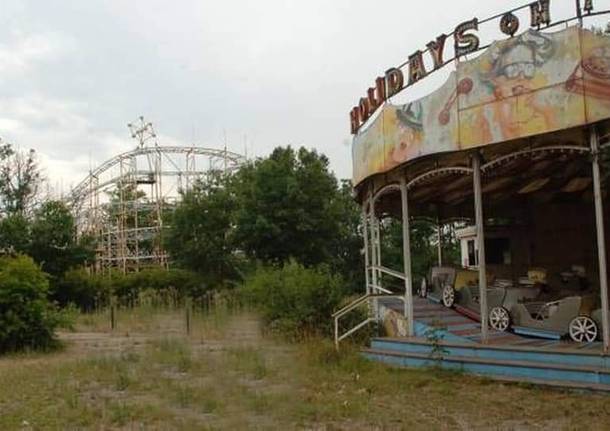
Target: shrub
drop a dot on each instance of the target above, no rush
(156, 286)
(27, 318)
(295, 300)
(80, 288)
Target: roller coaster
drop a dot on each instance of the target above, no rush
(125, 203)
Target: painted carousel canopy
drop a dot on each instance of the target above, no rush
(528, 85)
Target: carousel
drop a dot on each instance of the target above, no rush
(511, 148)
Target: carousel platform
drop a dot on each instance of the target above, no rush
(448, 339)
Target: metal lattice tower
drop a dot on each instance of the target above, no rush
(124, 202)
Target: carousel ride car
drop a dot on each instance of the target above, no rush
(529, 308)
(573, 312)
(458, 288)
(571, 316)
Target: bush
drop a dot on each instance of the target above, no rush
(27, 319)
(156, 286)
(295, 300)
(80, 288)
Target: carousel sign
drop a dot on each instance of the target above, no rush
(465, 40)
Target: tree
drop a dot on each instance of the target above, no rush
(348, 259)
(27, 319)
(15, 234)
(20, 180)
(201, 234)
(289, 207)
(53, 245)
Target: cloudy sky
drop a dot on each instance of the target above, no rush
(266, 73)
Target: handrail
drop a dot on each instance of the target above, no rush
(351, 306)
(383, 289)
(354, 329)
(389, 271)
(356, 302)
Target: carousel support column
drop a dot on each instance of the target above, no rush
(601, 242)
(365, 235)
(373, 225)
(478, 211)
(406, 252)
(439, 230)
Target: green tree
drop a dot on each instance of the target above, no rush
(424, 251)
(289, 207)
(27, 319)
(15, 235)
(201, 234)
(53, 244)
(347, 257)
(20, 180)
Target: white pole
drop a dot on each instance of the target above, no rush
(373, 252)
(365, 235)
(601, 241)
(406, 252)
(478, 211)
(440, 242)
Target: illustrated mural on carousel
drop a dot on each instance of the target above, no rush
(535, 82)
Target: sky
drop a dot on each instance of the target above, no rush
(260, 73)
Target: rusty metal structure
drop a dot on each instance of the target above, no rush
(124, 203)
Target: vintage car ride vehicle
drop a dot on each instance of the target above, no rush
(573, 316)
(530, 308)
(458, 287)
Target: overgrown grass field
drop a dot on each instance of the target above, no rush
(148, 374)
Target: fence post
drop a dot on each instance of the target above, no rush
(188, 306)
(112, 313)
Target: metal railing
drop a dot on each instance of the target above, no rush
(375, 292)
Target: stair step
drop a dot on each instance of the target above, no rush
(541, 353)
(569, 348)
(528, 370)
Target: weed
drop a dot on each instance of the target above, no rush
(122, 380)
(249, 361)
(435, 335)
(172, 382)
(120, 413)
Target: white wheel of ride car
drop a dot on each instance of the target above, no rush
(423, 289)
(499, 319)
(583, 329)
(448, 296)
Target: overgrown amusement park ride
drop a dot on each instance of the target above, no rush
(124, 203)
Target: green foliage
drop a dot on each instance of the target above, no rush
(347, 259)
(169, 287)
(424, 243)
(20, 180)
(27, 318)
(295, 300)
(15, 234)
(156, 286)
(80, 288)
(201, 233)
(53, 245)
(435, 334)
(289, 207)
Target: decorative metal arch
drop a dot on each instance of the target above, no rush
(438, 172)
(385, 190)
(551, 149)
